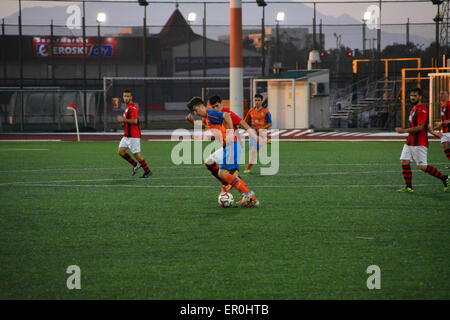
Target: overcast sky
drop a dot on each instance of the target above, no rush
(392, 12)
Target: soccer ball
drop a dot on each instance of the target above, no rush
(226, 199)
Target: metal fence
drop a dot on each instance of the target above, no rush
(160, 41)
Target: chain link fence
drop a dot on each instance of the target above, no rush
(46, 51)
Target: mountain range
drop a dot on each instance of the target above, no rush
(349, 29)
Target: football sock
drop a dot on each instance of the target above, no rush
(130, 160)
(144, 166)
(237, 183)
(214, 169)
(434, 172)
(407, 175)
(447, 153)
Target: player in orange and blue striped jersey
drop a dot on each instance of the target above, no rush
(231, 150)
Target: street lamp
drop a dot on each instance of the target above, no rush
(192, 16)
(262, 3)
(280, 17)
(144, 4)
(437, 19)
(101, 18)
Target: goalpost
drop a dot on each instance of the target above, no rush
(437, 83)
(163, 100)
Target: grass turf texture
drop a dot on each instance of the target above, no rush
(331, 212)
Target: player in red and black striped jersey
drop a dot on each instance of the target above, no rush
(416, 146)
(132, 136)
(445, 123)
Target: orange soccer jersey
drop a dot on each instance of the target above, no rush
(210, 126)
(258, 118)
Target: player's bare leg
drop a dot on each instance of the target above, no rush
(143, 165)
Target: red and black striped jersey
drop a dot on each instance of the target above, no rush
(445, 115)
(417, 117)
(131, 130)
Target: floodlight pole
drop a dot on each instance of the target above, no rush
(204, 39)
(407, 32)
(99, 48)
(3, 50)
(263, 40)
(51, 52)
(22, 118)
(364, 37)
(314, 28)
(278, 40)
(437, 19)
(189, 49)
(84, 63)
(204, 50)
(379, 33)
(236, 63)
(320, 36)
(144, 45)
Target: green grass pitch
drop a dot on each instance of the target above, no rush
(331, 212)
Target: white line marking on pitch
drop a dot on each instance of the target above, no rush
(19, 149)
(337, 186)
(31, 140)
(199, 177)
(201, 166)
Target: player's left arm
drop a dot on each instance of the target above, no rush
(130, 121)
(133, 118)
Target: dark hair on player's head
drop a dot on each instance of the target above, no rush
(418, 90)
(127, 91)
(195, 101)
(259, 96)
(214, 99)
